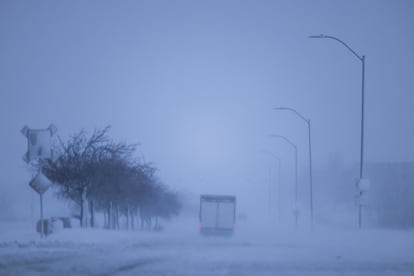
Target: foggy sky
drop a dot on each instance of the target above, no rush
(195, 82)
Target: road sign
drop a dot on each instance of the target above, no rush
(40, 183)
(39, 143)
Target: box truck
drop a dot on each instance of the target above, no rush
(217, 215)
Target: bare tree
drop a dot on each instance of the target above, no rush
(72, 171)
(96, 171)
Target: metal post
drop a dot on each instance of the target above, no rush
(278, 190)
(361, 166)
(296, 172)
(270, 192)
(296, 186)
(361, 163)
(41, 216)
(310, 172)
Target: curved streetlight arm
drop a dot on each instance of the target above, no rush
(284, 138)
(340, 41)
(294, 111)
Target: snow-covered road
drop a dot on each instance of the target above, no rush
(277, 252)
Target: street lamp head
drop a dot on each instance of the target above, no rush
(317, 36)
(293, 110)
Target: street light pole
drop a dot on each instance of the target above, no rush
(269, 203)
(308, 122)
(361, 161)
(296, 172)
(361, 165)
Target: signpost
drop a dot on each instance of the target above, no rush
(39, 144)
(40, 183)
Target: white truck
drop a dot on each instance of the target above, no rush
(217, 214)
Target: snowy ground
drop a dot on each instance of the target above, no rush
(178, 252)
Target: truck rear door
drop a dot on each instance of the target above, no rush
(225, 212)
(208, 216)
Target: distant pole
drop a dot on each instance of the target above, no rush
(308, 122)
(278, 190)
(296, 185)
(361, 163)
(296, 211)
(310, 172)
(361, 158)
(270, 191)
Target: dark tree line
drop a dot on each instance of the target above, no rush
(101, 175)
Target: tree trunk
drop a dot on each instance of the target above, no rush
(141, 219)
(86, 213)
(91, 210)
(113, 218)
(132, 218)
(84, 208)
(81, 213)
(105, 220)
(127, 218)
(117, 217)
(109, 216)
